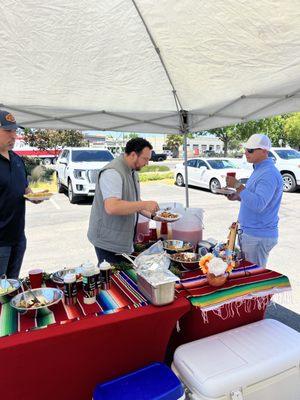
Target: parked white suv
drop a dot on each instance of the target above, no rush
(77, 169)
(288, 163)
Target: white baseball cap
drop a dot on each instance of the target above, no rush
(258, 141)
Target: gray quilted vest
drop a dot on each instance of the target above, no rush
(114, 232)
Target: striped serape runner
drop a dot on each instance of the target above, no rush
(243, 283)
(123, 295)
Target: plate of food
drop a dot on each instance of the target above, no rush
(176, 246)
(36, 299)
(225, 191)
(168, 216)
(58, 276)
(39, 196)
(189, 261)
(8, 289)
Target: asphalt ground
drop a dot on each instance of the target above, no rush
(56, 233)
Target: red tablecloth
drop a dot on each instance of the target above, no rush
(241, 300)
(67, 361)
(65, 351)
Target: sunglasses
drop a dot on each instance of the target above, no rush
(250, 151)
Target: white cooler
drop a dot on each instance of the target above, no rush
(259, 361)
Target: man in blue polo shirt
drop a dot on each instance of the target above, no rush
(260, 201)
(13, 186)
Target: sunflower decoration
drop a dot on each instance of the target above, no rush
(204, 262)
(215, 265)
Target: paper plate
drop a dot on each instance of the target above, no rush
(176, 216)
(225, 191)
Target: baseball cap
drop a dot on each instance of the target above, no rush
(7, 121)
(258, 141)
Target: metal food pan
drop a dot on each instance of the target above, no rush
(159, 295)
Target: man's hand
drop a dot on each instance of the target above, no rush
(35, 201)
(233, 196)
(27, 191)
(151, 206)
(231, 181)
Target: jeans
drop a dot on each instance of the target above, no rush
(257, 249)
(108, 256)
(11, 258)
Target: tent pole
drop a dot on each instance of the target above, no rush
(184, 129)
(186, 170)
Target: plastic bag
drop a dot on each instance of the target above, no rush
(153, 259)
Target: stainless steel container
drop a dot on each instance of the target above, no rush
(159, 295)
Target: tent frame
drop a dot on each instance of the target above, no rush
(182, 121)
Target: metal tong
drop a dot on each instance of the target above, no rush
(35, 299)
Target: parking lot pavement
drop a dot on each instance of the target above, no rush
(56, 231)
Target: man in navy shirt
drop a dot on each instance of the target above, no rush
(13, 186)
(260, 201)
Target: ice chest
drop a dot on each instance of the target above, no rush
(154, 382)
(254, 362)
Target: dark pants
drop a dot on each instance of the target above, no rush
(110, 257)
(11, 258)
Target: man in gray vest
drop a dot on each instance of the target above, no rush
(117, 203)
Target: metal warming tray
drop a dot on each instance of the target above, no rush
(160, 294)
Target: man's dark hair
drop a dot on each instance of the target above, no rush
(137, 145)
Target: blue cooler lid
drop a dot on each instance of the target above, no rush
(154, 382)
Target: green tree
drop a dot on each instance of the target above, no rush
(229, 135)
(292, 130)
(234, 135)
(173, 142)
(54, 139)
(273, 127)
(131, 135)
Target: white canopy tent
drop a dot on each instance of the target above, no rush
(148, 66)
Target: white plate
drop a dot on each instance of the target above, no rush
(178, 216)
(225, 191)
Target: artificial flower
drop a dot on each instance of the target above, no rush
(204, 261)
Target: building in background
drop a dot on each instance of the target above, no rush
(116, 142)
(203, 145)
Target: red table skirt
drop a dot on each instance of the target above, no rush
(67, 361)
(196, 325)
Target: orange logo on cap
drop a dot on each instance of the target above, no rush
(10, 118)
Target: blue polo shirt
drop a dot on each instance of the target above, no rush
(13, 182)
(260, 201)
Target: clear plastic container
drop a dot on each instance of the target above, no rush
(189, 227)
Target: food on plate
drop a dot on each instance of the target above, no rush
(168, 215)
(42, 301)
(174, 247)
(185, 257)
(37, 195)
(7, 290)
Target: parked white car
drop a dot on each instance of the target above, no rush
(209, 173)
(288, 163)
(77, 169)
